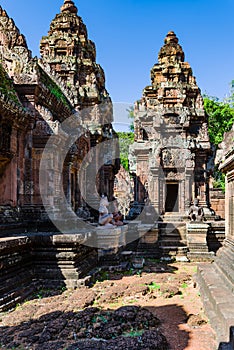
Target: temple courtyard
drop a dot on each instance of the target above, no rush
(156, 307)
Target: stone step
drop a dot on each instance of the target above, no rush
(173, 218)
(149, 253)
(174, 244)
(169, 232)
(175, 247)
(172, 238)
(9, 300)
(171, 224)
(174, 251)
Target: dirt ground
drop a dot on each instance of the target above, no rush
(158, 307)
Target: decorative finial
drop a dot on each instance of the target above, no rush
(69, 6)
(171, 50)
(171, 38)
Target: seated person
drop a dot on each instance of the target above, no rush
(105, 219)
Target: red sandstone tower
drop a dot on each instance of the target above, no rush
(172, 145)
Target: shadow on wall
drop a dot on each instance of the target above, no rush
(128, 327)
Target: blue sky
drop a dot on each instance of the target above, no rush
(129, 33)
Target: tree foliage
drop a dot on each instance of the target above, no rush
(125, 140)
(221, 118)
(130, 111)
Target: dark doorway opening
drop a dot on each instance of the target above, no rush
(172, 198)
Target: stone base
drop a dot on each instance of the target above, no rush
(224, 263)
(197, 242)
(200, 256)
(16, 271)
(42, 260)
(150, 237)
(108, 242)
(62, 259)
(108, 238)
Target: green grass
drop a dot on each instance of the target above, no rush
(153, 286)
(133, 333)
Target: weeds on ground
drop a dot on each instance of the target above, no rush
(133, 333)
(153, 286)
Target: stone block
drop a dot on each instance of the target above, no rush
(197, 233)
(197, 242)
(108, 238)
(151, 237)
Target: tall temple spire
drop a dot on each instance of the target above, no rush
(69, 6)
(171, 145)
(69, 52)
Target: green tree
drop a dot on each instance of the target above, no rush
(130, 111)
(125, 140)
(220, 118)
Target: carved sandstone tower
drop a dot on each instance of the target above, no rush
(36, 97)
(70, 54)
(171, 147)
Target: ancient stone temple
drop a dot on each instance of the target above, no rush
(68, 53)
(171, 148)
(37, 96)
(62, 97)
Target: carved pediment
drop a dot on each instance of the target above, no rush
(177, 158)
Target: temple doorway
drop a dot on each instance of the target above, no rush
(172, 191)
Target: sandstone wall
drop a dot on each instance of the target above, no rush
(217, 201)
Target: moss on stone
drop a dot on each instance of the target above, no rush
(7, 87)
(53, 88)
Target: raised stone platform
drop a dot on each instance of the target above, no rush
(218, 300)
(62, 260)
(216, 282)
(16, 271)
(29, 262)
(177, 240)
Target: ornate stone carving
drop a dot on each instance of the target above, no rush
(177, 131)
(37, 96)
(168, 158)
(71, 55)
